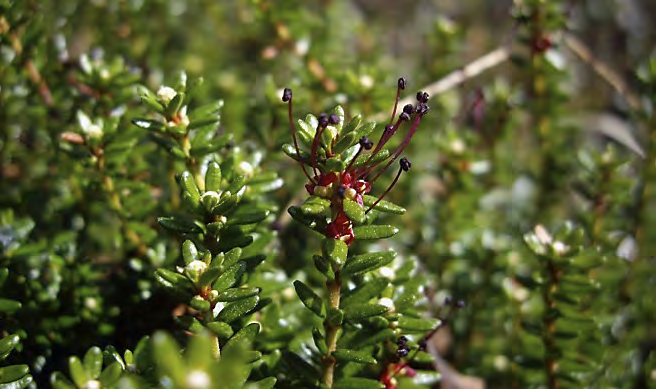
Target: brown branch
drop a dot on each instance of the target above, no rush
(602, 70)
(459, 76)
(32, 71)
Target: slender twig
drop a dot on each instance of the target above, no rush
(602, 70)
(32, 71)
(459, 76)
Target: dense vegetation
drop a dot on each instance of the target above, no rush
(172, 215)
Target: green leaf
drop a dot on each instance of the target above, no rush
(319, 341)
(200, 304)
(366, 291)
(190, 324)
(345, 142)
(358, 383)
(334, 164)
(177, 224)
(248, 217)
(315, 205)
(213, 177)
(344, 355)
(209, 276)
(78, 374)
(229, 277)
(168, 277)
(237, 309)
(267, 383)
(111, 374)
(7, 344)
(335, 316)
(4, 272)
(354, 211)
(310, 222)
(232, 256)
(352, 125)
(9, 306)
(310, 299)
(221, 329)
(167, 355)
(299, 365)
(335, 250)
(149, 124)
(174, 105)
(237, 183)
(234, 294)
(417, 325)
(366, 129)
(59, 381)
(226, 203)
(367, 262)
(93, 361)
(323, 266)
(361, 311)
(188, 184)
(10, 374)
(362, 158)
(290, 150)
(243, 339)
(374, 232)
(189, 252)
(383, 206)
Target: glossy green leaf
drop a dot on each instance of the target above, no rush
(358, 383)
(234, 294)
(310, 299)
(7, 344)
(78, 373)
(243, 339)
(176, 224)
(344, 355)
(335, 316)
(361, 311)
(213, 177)
(374, 232)
(335, 250)
(167, 356)
(367, 262)
(232, 256)
(364, 158)
(9, 306)
(366, 292)
(93, 361)
(200, 304)
(10, 374)
(59, 381)
(354, 211)
(417, 325)
(111, 374)
(189, 251)
(267, 383)
(188, 184)
(315, 205)
(345, 142)
(290, 150)
(221, 329)
(237, 309)
(383, 205)
(319, 341)
(248, 217)
(189, 323)
(209, 276)
(149, 124)
(334, 164)
(226, 203)
(229, 277)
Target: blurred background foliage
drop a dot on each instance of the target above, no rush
(532, 195)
